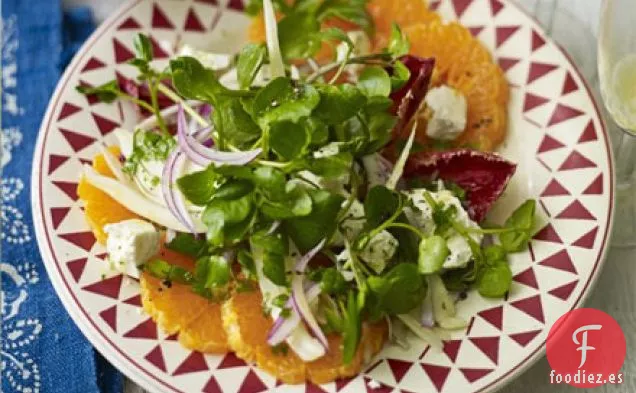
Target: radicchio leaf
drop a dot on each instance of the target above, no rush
(408, 99)
(484, 176)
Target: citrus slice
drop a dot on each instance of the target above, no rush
(402, 12)
(99, 208)
(247, 328)
(177, 309)
(464, 64)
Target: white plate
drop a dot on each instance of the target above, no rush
(556, 136)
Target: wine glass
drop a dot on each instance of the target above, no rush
(617, 73)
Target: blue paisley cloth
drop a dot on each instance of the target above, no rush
(42, 350)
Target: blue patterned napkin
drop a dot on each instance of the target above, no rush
(42, 350)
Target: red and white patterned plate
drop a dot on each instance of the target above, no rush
(556, 136)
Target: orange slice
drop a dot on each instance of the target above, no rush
(177, 309)
(99, 208)
(247, 328)
(463, 63)
(403, 12)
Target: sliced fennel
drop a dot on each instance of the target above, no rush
(398, 169)
(277, 67)
(134, 201)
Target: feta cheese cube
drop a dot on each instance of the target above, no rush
(449, 112)
(379, 251)
(422, 217)
(381, 247)
(131, 243)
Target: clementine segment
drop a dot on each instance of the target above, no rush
(177, 309)
(402, 12)
(99, 208)
(247, 329)
(463, 63)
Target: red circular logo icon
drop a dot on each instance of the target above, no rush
(586, 348)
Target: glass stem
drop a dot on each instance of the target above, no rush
(625, 159)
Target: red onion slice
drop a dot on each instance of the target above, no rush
(174, 199)
(300, 302)
(283, 327)
(204, 156)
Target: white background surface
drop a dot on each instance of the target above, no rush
(574, 25)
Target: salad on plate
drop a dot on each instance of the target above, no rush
(317, 195)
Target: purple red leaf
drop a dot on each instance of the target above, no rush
(408, 99)
(484, 176)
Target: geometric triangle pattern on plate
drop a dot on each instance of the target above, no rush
(561, 261)
(159, 18)
(561, 131)
(192, 364)
(437, 374)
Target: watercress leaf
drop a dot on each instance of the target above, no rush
(458, 280)
(317, 129)
(306, 232)
(398, 291)
(249, 61)
(379, 205)
(165, 271)
(234, 211)
(400, 75)
(233, 189)
(380, 126)
(521, 224)
(494, 280)
(433, 253)
(198, 187)
(351, 328)
(288, 140)
(338, 103)
(186, 244)
(220, 214)
(333, 166)
(212, 271)
(281, 99)
(494, 254)
(235, 233)
(247, 263)
(108, 92)
(334, 33)
(270, 181)
(375, 81)
(309, 6)
(299, 36)
(398, 42)
(349, 11)
(193, 81)
(332, 282)
(234, 124)
(274, 249)
(143, 47)
(408, 242)
(377, 104)
(296, 203)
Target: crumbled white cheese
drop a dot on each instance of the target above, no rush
(449, 112)
(381, 247)
(361, 47)
(377, 168)
(131, 243)
(214, 61)
(422, 217)
(328, 150)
